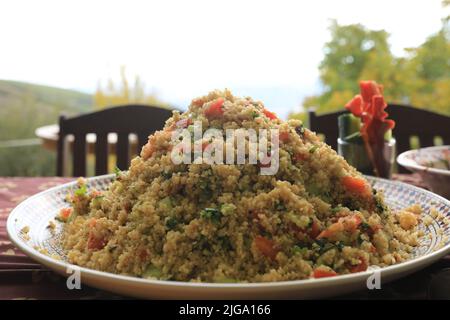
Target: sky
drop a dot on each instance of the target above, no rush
(182, 49)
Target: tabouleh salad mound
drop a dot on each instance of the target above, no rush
(316, 217)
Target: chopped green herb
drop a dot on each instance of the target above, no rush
(205, 195)
(255, 114)
(313, 189)
(365, 226)
(152, 272)
(111, 248)
(360, 240)
(212, 214)
(336, 209)
(322, 245)
(81, 191)
(380, 207)
(299, 250)
(166, 175)
(97, 199)
(117, 172)
(171, 223)
(326, 196)
(202, 243)
(166, 203)
(326, 247)
(320, 242)
(280, 206)
(224, 279)
(227, 209)
(225, 243)
(340, 245)
(299, 220)
(203, 184)
(300, 130)
(313, 149)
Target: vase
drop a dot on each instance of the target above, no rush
(356, 155)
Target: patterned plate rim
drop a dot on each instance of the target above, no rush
(49, 261)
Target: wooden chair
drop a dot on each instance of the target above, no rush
(123, 120)
(410, 121)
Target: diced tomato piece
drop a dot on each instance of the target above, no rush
(323, 273)
(92, 223)
(351, 223)
(95, 193)
(143, 254)
(215, 109)
(284, 136)
(331, 230)
(269, 114)
(65, 213)
(376, 227)
(362, 266)
(315, 230)
(148, 150)
(183, 123)
(95, 243)
(356, 185)
(300, 157)
(266, 247)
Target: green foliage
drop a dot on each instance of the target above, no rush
(354, 53)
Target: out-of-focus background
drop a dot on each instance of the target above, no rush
(79, 56)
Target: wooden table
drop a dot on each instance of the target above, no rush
(22, 278)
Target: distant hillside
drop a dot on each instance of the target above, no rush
(12, 92)
(25, 106)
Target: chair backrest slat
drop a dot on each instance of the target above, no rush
(123, 120)
(122, 150)
(101, 154)
(325, 124)
(79, 155)
(142, 140)
(426, 140)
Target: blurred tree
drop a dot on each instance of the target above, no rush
(350, 51)
(122, 93)
(429, 72)
(354, 53)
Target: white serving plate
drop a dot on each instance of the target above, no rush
(36, 211)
